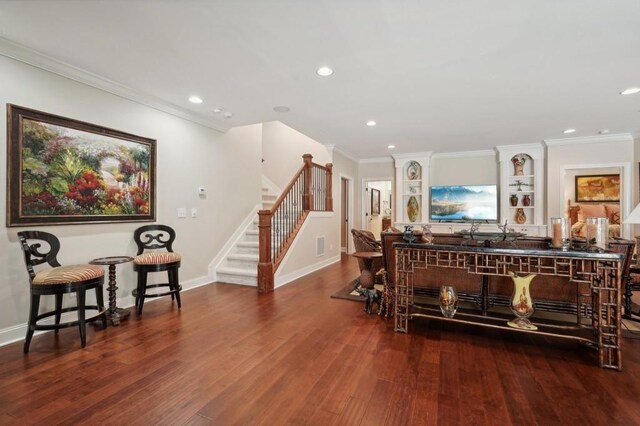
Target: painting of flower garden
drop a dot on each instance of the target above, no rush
(70, 171)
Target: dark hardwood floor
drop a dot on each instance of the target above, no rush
(296, 356)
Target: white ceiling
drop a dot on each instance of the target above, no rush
(442, 76)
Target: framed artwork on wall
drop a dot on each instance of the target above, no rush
(598, 188)
(375, 202)
(65, 171)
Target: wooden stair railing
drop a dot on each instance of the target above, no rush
(309, 190)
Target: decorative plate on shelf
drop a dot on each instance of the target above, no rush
(413, 170)
(413, 209)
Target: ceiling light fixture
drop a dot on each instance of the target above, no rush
(371, 123)
(281, 108)
(324, 71)
(217, 110)
(195, 100)
(569, 131)
(391, 146)
(604, 131)
(631, 91)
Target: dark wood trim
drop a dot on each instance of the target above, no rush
(308, 194)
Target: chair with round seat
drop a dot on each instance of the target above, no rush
(59, 280)
(156, 237)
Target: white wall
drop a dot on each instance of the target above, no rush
(476, 170)
(282, 150)
(189, 156)
(301, 259)
(344, 167)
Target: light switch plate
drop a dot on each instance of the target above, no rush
(194, 212)
(182, 212)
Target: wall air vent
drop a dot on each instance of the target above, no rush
(319, 246)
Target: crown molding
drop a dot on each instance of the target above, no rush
(31, 57)
(412, 155)
(534, 150)
(376, 160)
(621, 137)
(335, 148)
(462, 154)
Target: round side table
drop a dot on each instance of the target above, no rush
(366, 276)
(114, 314)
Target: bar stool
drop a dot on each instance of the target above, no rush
(156, 261)
(57, 281)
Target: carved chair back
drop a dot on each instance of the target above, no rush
(151, 237)
(33, 254)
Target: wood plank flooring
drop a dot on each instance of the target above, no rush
(296, 356)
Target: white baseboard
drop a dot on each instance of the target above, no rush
(18, 332)
(291, 276)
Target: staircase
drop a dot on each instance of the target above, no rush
(241, 265)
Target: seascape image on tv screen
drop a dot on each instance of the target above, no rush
(464, 202)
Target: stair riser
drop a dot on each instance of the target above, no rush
(244, 264)
(236, 279)
(247, 250)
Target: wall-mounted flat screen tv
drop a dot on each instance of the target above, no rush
(464, 203)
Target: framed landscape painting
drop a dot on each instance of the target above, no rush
(63, 171)
(375, 202)
(598, 188)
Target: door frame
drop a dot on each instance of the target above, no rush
(626, 193)
(364, 200)
(349, 215)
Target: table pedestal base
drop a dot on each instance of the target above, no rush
(119, 314)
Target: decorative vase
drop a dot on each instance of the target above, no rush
(521, 218)
(560, 233)
(413, 209)
(513, 200)
(526, 200)
(521, 303)
(597, 233)
(427, 235)
(518, 161)
(448, 301)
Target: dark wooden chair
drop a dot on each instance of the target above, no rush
(57, 281)
(156, 237)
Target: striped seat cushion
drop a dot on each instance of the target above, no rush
(68, 274)
(156, 258)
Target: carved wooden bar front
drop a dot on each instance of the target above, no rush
(595, 277)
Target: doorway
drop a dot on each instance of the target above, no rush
(618, 203)
(376, 207)
(344, 217)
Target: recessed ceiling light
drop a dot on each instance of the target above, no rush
(371, 123)
(324, 71)
(195, 100)
(391, 146)
(604, 131)
(217, 110)
(569, 131)
(631, 91)
(281, 108)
